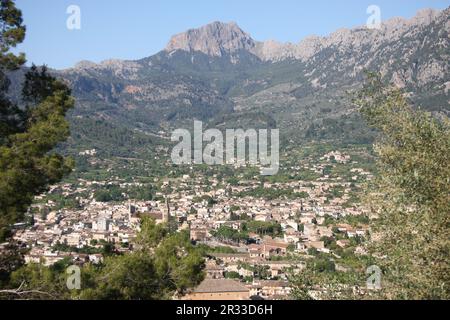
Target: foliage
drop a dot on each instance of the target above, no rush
(28, 136)
(128, 277)
(232, 275)
(205, 249)
(228, 233)
(411, 196)
(263, 228)
(163, 264)
(409, 203)
(13, 33)
(310, 284)
(10, 259)
(178, 263)
(40, 282)
(37, 85)
(151, 234)
(85, 250)
(108, 194)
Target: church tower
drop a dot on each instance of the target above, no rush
(166, 212)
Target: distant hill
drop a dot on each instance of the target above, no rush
(219, 74)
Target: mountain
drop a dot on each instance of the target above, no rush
(219, 74)
(215, 39)
(360, 38)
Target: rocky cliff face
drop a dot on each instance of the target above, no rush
(360, 48)
(218, 38)
(215, 39)
(355, 40)
(218, 71)
(418, 47)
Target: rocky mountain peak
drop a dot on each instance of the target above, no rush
(349, 39)
(219, 38)
(213, 39)
(425, 16)
(85, 64)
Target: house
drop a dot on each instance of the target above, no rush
(324, 231)
(301, 246)
(73, 239)
(219, 289)
(102, 224)
(270, 288)
(232, 257)
(292, 236)
(336, 156)
(199, 233)
(213, 270)
(290, 223)
(99, 236)
(320, 220)
(307, 219)
(136, 218)
(351, 233)
(319, 245)
(245, 272)
(256, 251)
(50, 258)
(361, 231)
(309, 229)
(343, 227)
(343, 243)
(263, 217)
(96, 258)
(279, 268)
(274, 248)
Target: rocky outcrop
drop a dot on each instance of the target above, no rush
(214, 39)
(360, 38)
(219, 38)
(211, 70)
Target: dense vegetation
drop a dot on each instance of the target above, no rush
(28, 134)
(409, 200)
(411, 196)
(409, 204)
(162, 265)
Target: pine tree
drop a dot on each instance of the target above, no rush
(38, 85)
(12, 32)
(28, 135)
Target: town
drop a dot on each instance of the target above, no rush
(256, 239)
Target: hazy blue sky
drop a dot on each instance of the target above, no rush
(135, 29)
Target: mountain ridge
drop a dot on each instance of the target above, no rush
(272, 50)
(232, 80)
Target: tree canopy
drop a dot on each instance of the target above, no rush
(163, 264)
(409, 202)
(30, 132)
(410, 199)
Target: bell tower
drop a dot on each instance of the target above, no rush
(166, 211)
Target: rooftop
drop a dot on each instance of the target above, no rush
(220, 285)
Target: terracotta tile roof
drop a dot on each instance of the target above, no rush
(220, 285)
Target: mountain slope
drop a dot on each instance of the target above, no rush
(218, 73)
